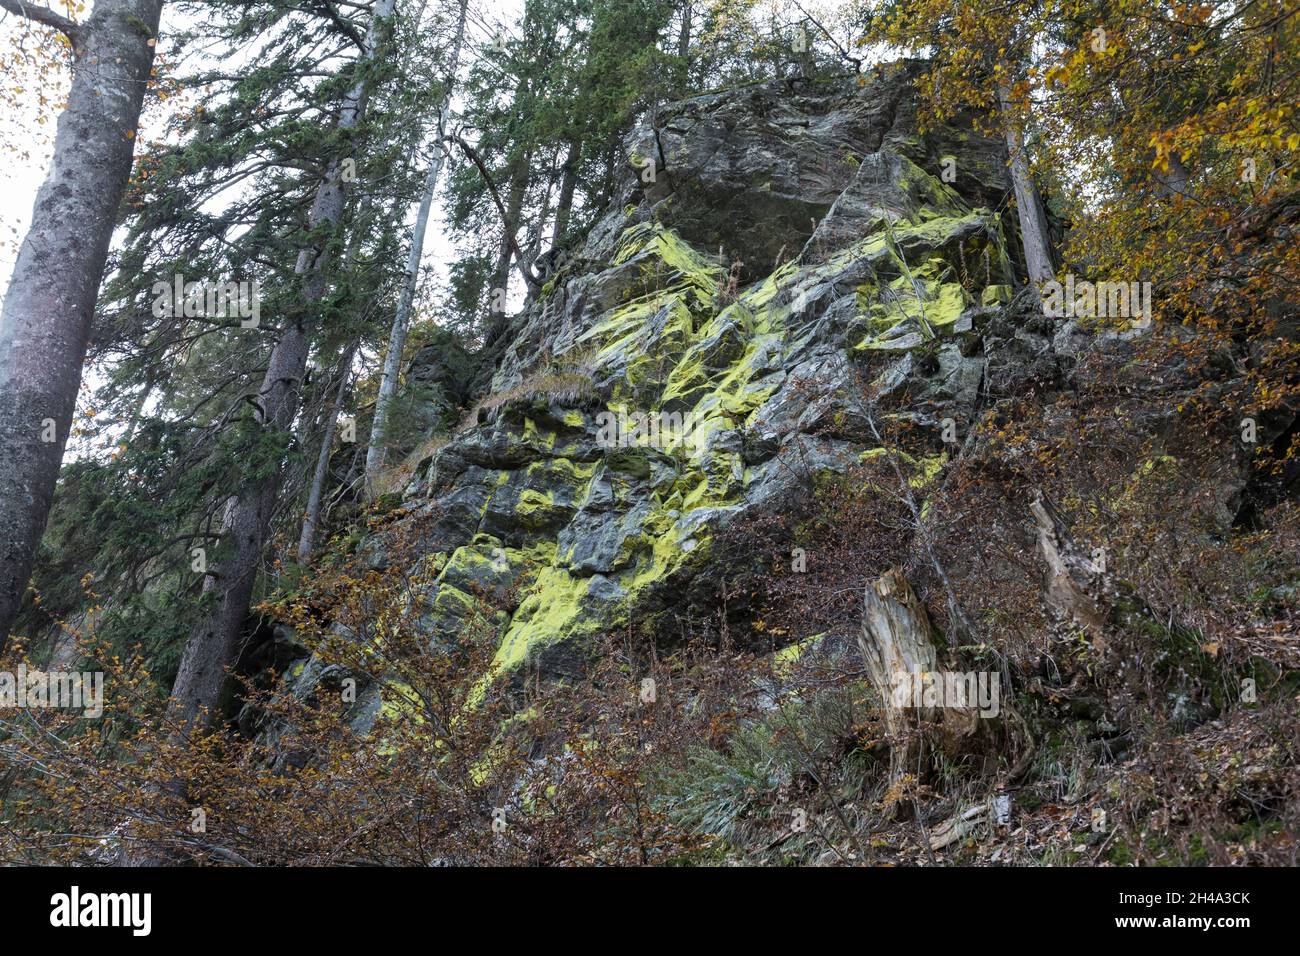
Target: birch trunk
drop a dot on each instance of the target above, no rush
(1029, 204)
(46, 317)
(376, 451)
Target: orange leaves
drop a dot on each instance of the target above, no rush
(1162, 144)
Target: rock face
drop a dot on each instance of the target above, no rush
(788, 245)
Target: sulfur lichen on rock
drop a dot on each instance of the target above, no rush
(598, 536)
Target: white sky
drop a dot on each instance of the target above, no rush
(31, 99)
(25, 149)
(27, 143)
(27, 130)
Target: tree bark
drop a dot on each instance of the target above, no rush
(684, 43)
(607, 179)
(213, 643)
(376, 451)
(897, 645)
(536, 233)
(1175, 182)
(510, 226)
(568, 183)
(311, 518)
(1070, 575)
(507, 251)
(1029, 204)
(46, 318)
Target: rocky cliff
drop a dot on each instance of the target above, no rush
(791, 272)
(770, 245)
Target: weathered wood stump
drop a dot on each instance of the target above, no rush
(898, 648)
(927, 708)
(1071, 576)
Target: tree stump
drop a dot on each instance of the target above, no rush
(1070, 575)
(897, 644)
(898, 649)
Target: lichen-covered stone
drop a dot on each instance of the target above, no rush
(859, 264)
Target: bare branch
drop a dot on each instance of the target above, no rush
(45, 17)
(477, 160)
(839, 48)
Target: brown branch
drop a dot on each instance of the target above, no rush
(45, 17)
(857, 63)
(327, 10)
(472, 154)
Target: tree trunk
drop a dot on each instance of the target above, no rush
(897, 645)
(501, 271)
(1175, 182)
(376, 452)
(569, 182)
(47, 313)
(607, 180)
(1029, 204)
(213, 644)
(684, 43)
(311, 518)
(514, 208)
(536, 234)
